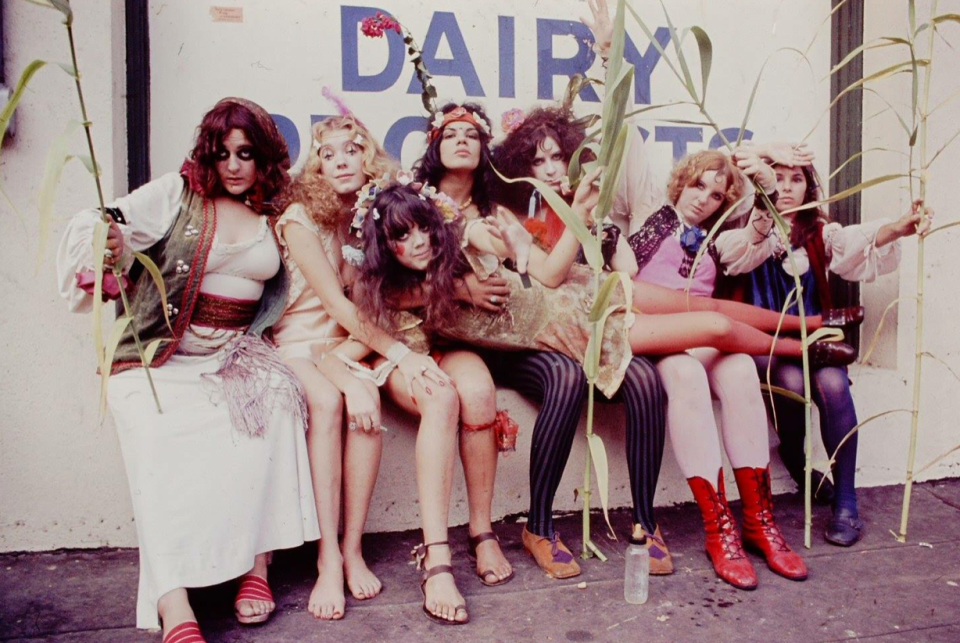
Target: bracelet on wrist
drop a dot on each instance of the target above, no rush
(397, 352)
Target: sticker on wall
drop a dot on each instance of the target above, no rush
(227, 14)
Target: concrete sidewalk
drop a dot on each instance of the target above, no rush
(879, 590)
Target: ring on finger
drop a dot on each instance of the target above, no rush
(494, 299)
(108, 253)
(352, 426)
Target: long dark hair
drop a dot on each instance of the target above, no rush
(807, 223)
(382, 279)
(514, 156)
(429, 169)
(269, 151)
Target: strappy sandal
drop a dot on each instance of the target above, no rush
(186, 632)
(419, 554)
(474, 542)
(253, 588)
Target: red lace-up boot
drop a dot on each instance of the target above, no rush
(722, 539)
(760, 532)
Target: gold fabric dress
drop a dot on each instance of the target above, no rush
(535, 319)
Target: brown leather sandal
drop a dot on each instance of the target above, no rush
(483, 575)
(419, 554)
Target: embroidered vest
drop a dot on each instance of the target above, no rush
(647, 240)
(181, 257)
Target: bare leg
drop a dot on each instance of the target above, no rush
(361, 464)
(478, 452)
(439, 410)
(658, 300)
(325, 403)
(667, 334)
(174, 609)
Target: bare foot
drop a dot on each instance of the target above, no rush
(250, 610)
(490, 558)
(174, 609)
(327, 601)
(443, 599)
(362, 582)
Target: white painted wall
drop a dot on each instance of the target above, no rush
(61, 475)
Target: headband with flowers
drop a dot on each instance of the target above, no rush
(457, 115)
(447, 206)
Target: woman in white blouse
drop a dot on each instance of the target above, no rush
(819, 247)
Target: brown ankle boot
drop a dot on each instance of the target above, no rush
(760, 532)
(722, 539)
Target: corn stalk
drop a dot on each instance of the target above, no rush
(55, 162)
(922, 115)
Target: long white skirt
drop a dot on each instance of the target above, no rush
(206, 499)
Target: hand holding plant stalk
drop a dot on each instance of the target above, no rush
(106, 234)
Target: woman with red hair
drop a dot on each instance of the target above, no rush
(220, 478)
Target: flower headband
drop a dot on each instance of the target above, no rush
(457, 115)
(447, 206)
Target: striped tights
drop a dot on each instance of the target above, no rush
(559, 385)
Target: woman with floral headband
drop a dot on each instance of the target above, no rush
(219, 478)
(321, 253)
(458, 160)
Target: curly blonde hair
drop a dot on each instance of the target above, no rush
(691, 167)
(312, 190)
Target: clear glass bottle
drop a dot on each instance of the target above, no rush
(636, 575)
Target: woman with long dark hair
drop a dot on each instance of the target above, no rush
(220, 478)
(458, 161)
(820, 247)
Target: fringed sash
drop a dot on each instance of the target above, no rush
(255, 384)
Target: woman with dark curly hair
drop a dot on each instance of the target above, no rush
(220, 478)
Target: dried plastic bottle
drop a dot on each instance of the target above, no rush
(636, 575)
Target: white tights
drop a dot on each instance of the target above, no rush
(689, 379)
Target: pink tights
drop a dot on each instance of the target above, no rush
(689, 379)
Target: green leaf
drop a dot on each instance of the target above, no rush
(57, 157)
(877, 43)
(903, 123)
(825, 334)
(614, 106)
(22, 83)
(872, 418)
(598, 453)
(655, 43)
(706, 57)
(714, 230)
(113, 340)
(937, 459)
(790, 395)
(860, 187)
(876, 333)
(942, 148)
(87, 163)
(687, 77)
(610, 179)
(616, 45)
(151, 351)
(155, 273)
(854, 157)
(100, 230)
(63, 6)
(912, 16)
(947, 17)
(573, 168)
(602, 306)
(562, 209)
